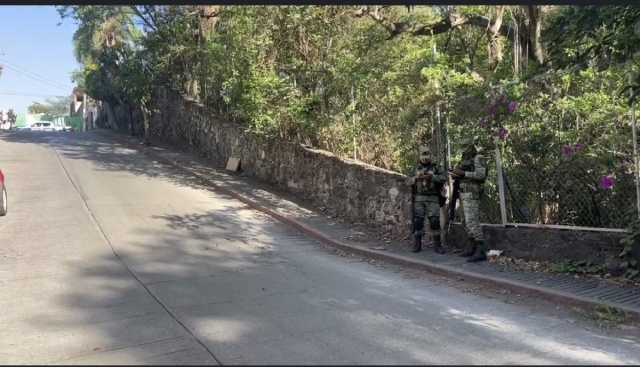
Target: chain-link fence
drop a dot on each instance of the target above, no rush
(575, 191)
(552, 176)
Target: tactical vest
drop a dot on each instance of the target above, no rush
(424, 187)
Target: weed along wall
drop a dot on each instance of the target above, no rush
(355, 191)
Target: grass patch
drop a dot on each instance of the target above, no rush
(605, 315)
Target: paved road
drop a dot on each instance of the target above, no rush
(108, 257)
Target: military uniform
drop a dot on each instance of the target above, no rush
(474, 166)
(426, 200)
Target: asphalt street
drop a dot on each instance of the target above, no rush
(107, 257)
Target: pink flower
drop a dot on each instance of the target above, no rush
(481, 121)
(492, 109)
(512, 106)
(502, 134)
(566, 149)
(606, 181)
(577, 145)
(623, 167)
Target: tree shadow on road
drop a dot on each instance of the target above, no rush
(256, 292)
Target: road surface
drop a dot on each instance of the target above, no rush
(107, 257)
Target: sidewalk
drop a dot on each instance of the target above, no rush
(560, 288)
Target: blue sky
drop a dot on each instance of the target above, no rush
(32, 43)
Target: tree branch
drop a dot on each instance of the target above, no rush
(142, 17)
(452, 20)
(150, 9)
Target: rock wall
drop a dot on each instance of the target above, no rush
(358, 192)
(355, 191)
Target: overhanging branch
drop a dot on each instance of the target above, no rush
(447, 23)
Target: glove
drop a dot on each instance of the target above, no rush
(424, 176)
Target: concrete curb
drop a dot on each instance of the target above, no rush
(516, 287)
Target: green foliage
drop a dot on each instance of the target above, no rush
(631, 248)
(576, 267)
(322, 76)
(592, 34)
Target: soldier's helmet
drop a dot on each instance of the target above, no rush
(466, 143)
(425, 152)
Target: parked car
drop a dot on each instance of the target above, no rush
(39, 126)
(4, 203)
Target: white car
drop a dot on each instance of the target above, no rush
(39, 126)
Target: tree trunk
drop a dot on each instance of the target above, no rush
(128, 110)
(493, 36)
(111, 117)
(147, 128)
(533, 15)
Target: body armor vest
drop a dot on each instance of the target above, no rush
(425, 187)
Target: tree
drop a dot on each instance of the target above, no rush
(100, 29)
(596, 35)
(59, 105)
(525, 30)
(38, 108)
(137, 83)
(51, 106)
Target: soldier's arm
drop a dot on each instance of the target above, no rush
(441, 177)
(411, 180)
(480, 172)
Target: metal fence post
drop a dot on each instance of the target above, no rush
(634, 129)
(503, 206)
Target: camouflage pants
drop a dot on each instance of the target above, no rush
(426, 206)
(469, 208)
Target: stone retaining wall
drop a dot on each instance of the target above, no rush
(355, 191)
(358, 192)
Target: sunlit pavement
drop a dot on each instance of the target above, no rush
(109, 258)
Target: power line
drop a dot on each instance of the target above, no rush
(21, 94)
(39, 76)
(39, 80)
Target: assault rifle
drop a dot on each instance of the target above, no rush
(455, 195)
(413, 206)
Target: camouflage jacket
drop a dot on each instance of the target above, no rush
(475, 171)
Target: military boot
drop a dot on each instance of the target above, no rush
(471, 249)
(480, 254)
(417, 243)
(438, 245)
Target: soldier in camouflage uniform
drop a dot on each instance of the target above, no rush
(472, 173)
(427, 182)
